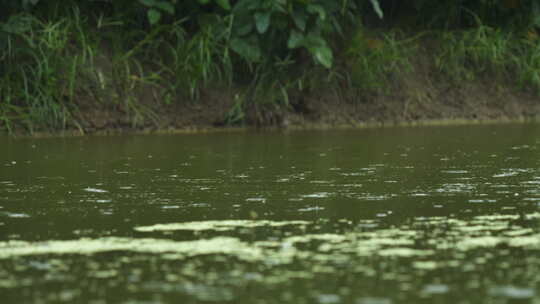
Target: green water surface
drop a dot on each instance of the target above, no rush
(374, 216)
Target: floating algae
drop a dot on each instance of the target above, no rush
(218, 245)
(225, 225)
(424, 238)
(219, 269)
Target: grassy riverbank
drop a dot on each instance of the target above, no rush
(91, 66)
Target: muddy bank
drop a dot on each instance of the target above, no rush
(406, 106)
(417, 97)
(420, 95)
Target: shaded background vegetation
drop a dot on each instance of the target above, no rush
(61, 57)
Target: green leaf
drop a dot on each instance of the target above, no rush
(262, 21)
(323, 55)
(153, 16)
(33, 2)
(203, 2)
(27, 4)
(317, 9)
(245, 5)
(377, 8)
(295, 40)
(300, 20)
(150, 3)
(206, 20)
(165, 6)
(17, 24)
(419, 4)
(313, 41)
(225, 4)
(535, 14)
(243, 24)
(246, 48)
(536, 21)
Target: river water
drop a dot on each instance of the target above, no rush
(374, 216)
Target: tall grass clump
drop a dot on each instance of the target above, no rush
(42, 65)
(526, 62)
(483, 50)
(373, 61)
(499, 55)
(192, 63)
(133, 73)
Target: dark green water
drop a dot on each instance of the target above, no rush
(378, 216)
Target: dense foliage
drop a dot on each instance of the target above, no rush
(53, 52)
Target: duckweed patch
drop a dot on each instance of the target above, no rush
(459, 235)
(225, 225)
(358, 255)
(221, 268)
(218, 245)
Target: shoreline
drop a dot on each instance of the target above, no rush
(292, 128)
